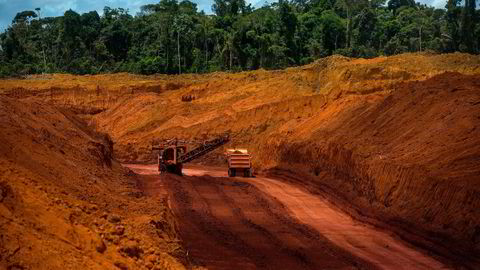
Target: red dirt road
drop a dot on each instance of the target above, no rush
(360, 239)
(259, 222)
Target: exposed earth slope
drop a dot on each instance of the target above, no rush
(397, 137)
(393, 139)
(66, 204)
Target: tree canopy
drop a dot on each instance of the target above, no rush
(174, 37)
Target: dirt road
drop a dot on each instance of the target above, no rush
(265, 223)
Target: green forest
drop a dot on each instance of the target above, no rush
(173, 37)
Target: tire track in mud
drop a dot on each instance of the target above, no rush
(254, 251)
(234, 240)
(201, 222)
(307, 231)
(268, 235)
(233, 225)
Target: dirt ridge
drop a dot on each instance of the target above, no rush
(65, 203)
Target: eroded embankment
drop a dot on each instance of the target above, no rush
(137, 110)
(89, 95)
(411, 159)
(66, 204)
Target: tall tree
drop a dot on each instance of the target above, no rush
(70, 36)
(224, 8)
(351, 7)
(453, 31)
(396, 4)
(288, 27)
(468, 26)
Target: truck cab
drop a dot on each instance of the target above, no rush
(168, 156)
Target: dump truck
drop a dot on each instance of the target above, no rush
(172, 154)
(239, 163)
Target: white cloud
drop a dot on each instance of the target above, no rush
(435, 3)
(439, 3)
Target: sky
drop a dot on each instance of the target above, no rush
(8, 8)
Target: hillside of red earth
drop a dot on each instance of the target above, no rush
(410, 158)
(395, 141)
(65, 203)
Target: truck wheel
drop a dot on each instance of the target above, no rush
(162, 168)
(248, 173)
(178, 170)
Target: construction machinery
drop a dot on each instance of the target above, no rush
(239, 163)
(172, 154)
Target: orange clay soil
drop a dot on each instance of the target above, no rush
(249, 223)
(395, 138)
(65, 204)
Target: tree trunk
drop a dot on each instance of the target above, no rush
(230, 50)
(261, 59)
(336, 41)
(42, 43)
(178, 48)
(349, 26)
(420, 38)
(159, 40)
(44, 60)
(205, 44)
(167, 44)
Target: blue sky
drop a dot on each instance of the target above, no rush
(8, 8)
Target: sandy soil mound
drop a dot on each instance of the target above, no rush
(66, 204)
